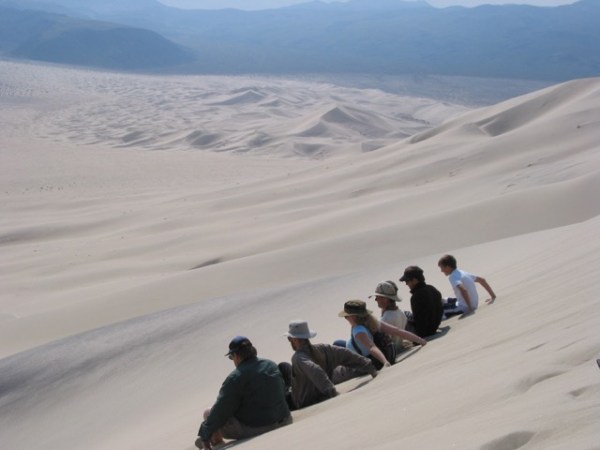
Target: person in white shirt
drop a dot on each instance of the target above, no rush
(386, 296)
(463, 285)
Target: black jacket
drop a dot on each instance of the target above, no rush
(427, 309)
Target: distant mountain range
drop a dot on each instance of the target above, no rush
(359, 36)
(49, 37)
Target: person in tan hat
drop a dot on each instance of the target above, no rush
(363, 328)
(317, 368)
(386, 296)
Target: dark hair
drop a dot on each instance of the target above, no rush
(413, 272)
(419, 276)
(448, 261)
(246, 351)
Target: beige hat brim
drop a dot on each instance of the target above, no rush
(311, 334)
(391, 297)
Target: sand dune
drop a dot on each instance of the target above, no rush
(221, 114)
(130, 258)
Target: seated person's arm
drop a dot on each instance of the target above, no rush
(465, 295)
(315, 374)
(488, 288)
(374, 351)
(347, 358)
(395, 331)
(227, 404)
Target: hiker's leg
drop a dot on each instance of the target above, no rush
(286, 372)
(340, 343)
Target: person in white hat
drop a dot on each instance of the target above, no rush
(386, 296)
(317, 368)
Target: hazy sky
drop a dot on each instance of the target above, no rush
(263, 4)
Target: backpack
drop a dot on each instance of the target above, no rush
(383, 343)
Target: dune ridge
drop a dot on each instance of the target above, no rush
(130, 259)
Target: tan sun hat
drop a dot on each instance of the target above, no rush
(387, 289)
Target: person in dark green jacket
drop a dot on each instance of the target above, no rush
(251, 400)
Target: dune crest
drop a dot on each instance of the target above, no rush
(522, 111)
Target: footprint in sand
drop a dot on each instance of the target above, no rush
(528, 382)
(586, 392)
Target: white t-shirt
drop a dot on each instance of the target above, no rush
(460, 277)
(398, 319)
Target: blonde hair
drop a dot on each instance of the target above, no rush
(368, 321)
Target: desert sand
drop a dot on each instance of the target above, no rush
(146, 220)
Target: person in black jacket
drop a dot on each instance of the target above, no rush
(425, 302)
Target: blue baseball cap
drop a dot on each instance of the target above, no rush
(238, 343)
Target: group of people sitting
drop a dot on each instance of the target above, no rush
(258, 395)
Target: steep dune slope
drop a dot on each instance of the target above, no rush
(450, 189)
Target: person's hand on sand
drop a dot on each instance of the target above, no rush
(209, 445)
(422, 342)
(489, 301)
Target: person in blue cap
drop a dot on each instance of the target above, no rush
(251, 400)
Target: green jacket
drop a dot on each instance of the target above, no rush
(254, 393)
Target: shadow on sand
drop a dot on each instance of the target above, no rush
(441, 332)
(410, 351)
(231, 444)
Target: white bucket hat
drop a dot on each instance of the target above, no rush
(299, 329)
